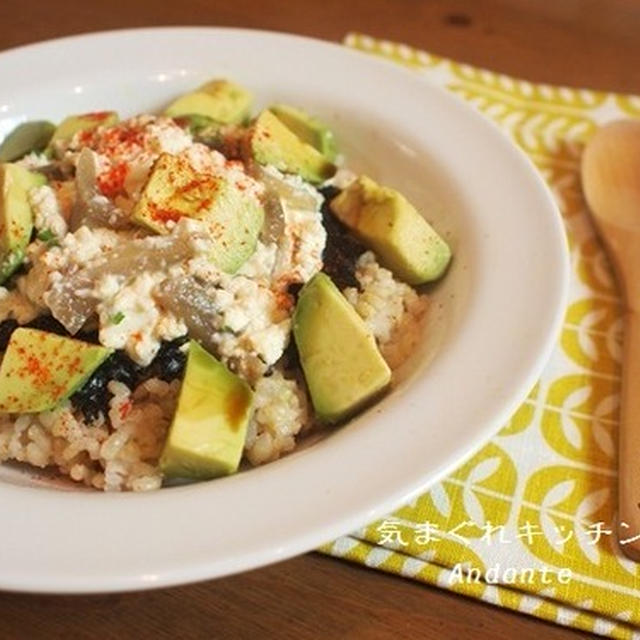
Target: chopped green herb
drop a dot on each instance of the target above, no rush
(46, 235)
(117, 318)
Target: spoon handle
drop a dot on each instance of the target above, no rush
(629, 442)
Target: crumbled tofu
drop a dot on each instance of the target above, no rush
(47, 211)
(130, 318)
(300, 252)
(253, 326)
(34, 160)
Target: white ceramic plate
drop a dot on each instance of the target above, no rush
(493, 321)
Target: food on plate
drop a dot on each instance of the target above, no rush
(41, 369)
(26, 137)
(15, 215)
(207, 435)
(384, 220)
(221, 101)
(189, 294)
(231, 212)
(308, 129)
(274, 145)
(341, 362)
(84, 122)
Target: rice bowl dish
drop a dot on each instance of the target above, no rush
(196, 249)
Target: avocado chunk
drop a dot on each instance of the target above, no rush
(16, 218)
(233, 217)
(41, 369)
(308, 128)
(207, 435)
(342, 365)
(25, 138)
(272, 143)
(83, 122)
(221, 100)
(195, 123)
(385, 221)
(11, 263)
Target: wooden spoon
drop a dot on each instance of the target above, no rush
(611, 183)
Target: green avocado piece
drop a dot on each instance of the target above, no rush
(272, 143)
(308, 128)
(205, 130)
(83, 122)
(342, 365)
(11, 263)
(16, 218)
(25, 138)
(41, 369)
(207, 435)
(221, 100)
(385, 221)
(233, 217)
(194, 123)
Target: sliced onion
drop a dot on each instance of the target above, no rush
(91, 207)
(273, 226)
(193, 304)
(71, 300)
(293, 197)
(277, 192)
(68, 306)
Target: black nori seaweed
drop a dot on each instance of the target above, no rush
(169, 363)
(342, 250)
(93, 398)
(340, 257)
(48, 324)
(7, 327)
(290, 360)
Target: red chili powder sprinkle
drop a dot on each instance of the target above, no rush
(74, 366)
(39, 372)
(125, 409)
(164, 215)
(86, 137)
(192, 185)
(96, 115)
(121, 139)
(204, 184)
(111, 182)
(205, 204)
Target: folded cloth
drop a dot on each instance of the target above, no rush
(528, 522)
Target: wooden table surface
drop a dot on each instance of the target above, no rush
(589, 43)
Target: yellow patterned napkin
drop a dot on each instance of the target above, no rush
(527, 522)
